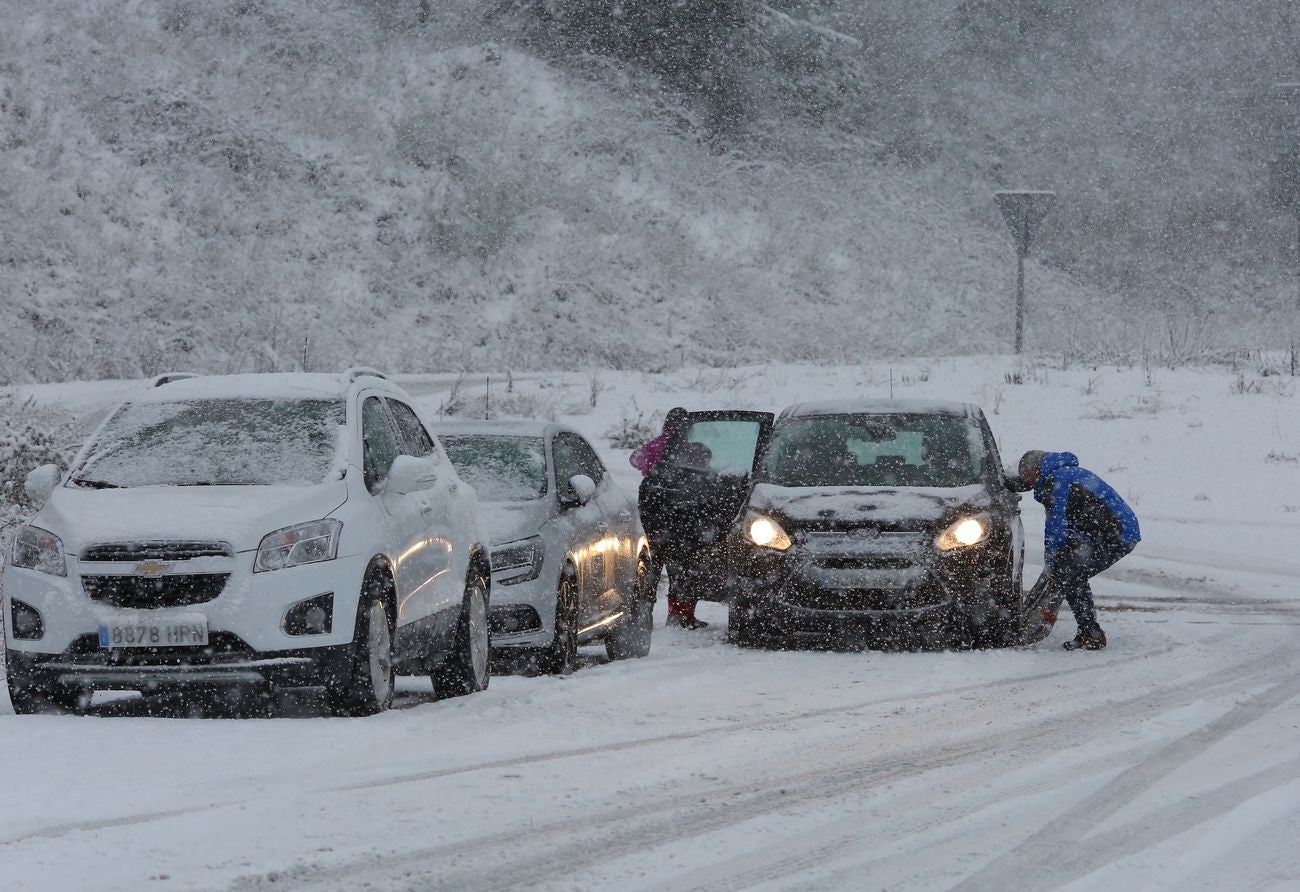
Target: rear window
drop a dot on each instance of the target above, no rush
(216, 442)
(876, 450)
(500, 468)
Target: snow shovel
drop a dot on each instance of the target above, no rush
(1042, 606)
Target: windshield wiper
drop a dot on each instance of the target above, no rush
(95, 484)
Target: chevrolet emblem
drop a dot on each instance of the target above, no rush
(152, 568)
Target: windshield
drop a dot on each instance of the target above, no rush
(875, 450)
(500, 468)
(216, 442)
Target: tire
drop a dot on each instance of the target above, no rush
(31, 696)
(740, 627)
(368, 686)
(467, 668)
(561, 657)
(630, 639)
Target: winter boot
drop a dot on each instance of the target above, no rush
(1091, 641)
(682, 614)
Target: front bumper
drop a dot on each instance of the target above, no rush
(522, 614)
(155, 670)
(245, 619)
(841, 588)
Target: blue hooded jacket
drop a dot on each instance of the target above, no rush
(1079, 505)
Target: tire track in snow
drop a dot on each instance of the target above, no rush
(1037, 855)
(830, 842)
(558, 848)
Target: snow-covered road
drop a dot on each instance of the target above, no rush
(1171, 760)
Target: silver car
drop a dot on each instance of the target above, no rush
(570, 563)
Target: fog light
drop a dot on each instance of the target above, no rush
(315, 616)
(26, 622)
(509, 619)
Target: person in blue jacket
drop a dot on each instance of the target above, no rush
(1089, 527)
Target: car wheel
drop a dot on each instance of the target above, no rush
(631, 638)
(740, 626)
(33, 696)
(368, 687)
(466, 668)
(561, 657)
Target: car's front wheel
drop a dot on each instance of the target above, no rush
(368, 687)
(31, 695)
(630, 639)
(561, 656)
(740, 626)
(466, 669)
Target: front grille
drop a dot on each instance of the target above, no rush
(221, 647)
(872, 562)
(151, 593)
(159, 550)
(858, 599)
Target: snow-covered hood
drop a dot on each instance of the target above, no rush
(510, 521)
(904, 507)
(240, 515)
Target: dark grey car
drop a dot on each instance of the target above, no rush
(884, 522)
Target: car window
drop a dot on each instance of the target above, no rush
(501, 468)
(415, 440)
(216, 442)
(718, 445)
(876, 450)
(573, 456)
(379, 441)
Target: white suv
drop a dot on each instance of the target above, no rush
(250, 531)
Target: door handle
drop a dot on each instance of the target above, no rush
(426, 508)
(602, 526)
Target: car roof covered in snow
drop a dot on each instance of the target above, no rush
(520, 427)
(882, 407)
(270, 385)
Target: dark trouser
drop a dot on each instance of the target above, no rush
(1083, 560)
(676, 561)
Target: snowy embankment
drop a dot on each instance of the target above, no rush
(1170, 760)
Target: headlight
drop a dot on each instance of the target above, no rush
(40, 550)
(304, 543)
(963, 532)
(765, 532)
(524, 557)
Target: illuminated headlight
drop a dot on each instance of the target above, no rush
(522, 560)
(765, 532)
(964, 532)
(40, 550)
(304, 543)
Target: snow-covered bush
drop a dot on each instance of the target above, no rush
(29, 438)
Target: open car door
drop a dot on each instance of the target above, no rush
(692, 496)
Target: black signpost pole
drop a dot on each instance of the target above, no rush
(1024, 211)
(1020, 303)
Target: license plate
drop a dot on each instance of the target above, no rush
(154, 633)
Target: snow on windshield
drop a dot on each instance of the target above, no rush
(875, 450)
(216, 442)
(500, 468)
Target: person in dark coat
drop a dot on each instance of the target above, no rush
(669, 525)
(1089, 527)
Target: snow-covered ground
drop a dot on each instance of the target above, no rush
(1169, 761)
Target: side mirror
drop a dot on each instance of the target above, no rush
(410, 474)
(582, 488)
(41, 482)
(1014, 482)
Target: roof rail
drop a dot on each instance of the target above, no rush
(361, 371)
(169, 377)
